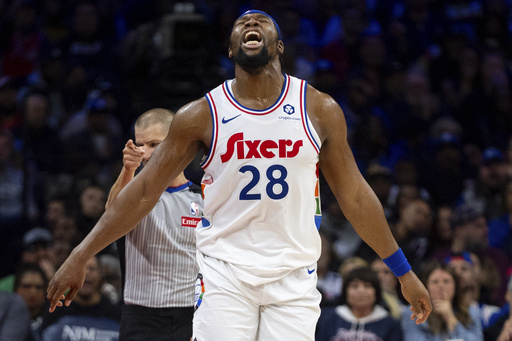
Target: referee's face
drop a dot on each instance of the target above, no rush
(148, 139)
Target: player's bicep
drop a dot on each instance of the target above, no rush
(337, 162)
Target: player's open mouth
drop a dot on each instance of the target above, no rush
(252, 39)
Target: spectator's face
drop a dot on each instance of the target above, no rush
(92, 279)
(65, 227)
(32, 289)
(477, 232)
(92, 202)
(55, 211)
(387, 279)
(361, 295)
(38, 252)
(441, 285)
(35, 112)
(444, 230)
(86, 20)
(148, 139)
(417, 216)
(465, 271)
(494, 174)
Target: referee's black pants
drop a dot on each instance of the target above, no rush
(155, 324)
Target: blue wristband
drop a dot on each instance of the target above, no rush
(397, 263)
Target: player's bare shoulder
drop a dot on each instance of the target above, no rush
(194, 119)
(324, 112)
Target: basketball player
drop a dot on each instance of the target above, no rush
(265, 135)
(159, 261)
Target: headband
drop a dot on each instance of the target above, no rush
(268, 16)
(460, 256)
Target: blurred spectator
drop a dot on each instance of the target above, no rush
(359, 317)
(31, 283)
(484, 114)
(329, 281)
(344, 239)
(444, 70)
(391, 292)
(110, 268)
(39, 141)
(450, 318)
(14, 317)
(444, 174)
(91, 312)
(412, 230)
(57, 207)
(500, 229)
(500, 328)
(380, 179)
(413, 30)
(37, 249)
(21, 39)
(53, 21)
(87, 50)
(90, 140)
(91, 205)
(352, 263)
(51, 77)
(405, 185)
(65, 237)
(441, 236)
(485, 192)
(17, 203)
(10, 113)
(470, 233)
(468, 269)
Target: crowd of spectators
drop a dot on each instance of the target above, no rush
(425, 85)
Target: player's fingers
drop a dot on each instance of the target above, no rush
(422, 309)
(55, 295)
(70, 296)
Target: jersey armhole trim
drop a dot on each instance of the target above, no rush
(305, 118)
(213, 142)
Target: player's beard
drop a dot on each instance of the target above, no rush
(252, 64)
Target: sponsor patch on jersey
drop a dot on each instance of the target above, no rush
(190, 221)
(289, 110)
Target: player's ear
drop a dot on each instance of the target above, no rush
(280, 46)
(230, 52)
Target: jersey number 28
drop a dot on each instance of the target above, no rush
(271, 185)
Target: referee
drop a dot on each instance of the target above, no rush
(158, 256)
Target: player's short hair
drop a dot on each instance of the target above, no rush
(154, 116)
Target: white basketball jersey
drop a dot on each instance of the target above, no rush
(260, 187)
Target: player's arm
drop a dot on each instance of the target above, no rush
(356, 198)
(132, 158)
(189, 130)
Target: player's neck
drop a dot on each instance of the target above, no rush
(258, 91)
(179, 180)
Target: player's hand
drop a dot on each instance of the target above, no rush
(417, 295)
(132, 156)
(71, 275)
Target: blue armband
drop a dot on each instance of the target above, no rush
(397, 263)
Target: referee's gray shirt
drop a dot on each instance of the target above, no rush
(161, 267)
